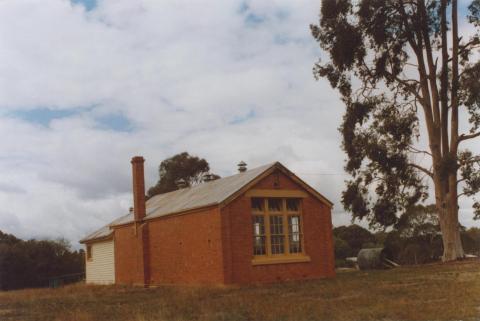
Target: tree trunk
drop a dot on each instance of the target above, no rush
(452, 202)
(448, 213)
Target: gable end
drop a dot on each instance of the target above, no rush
(278, 166)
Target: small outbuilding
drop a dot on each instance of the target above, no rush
(374, 258)
(260, 225)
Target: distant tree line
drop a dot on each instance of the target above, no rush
(25, 264)
(416, 239)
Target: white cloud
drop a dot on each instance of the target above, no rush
(187, 74)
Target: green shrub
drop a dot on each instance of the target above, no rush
(342, 249)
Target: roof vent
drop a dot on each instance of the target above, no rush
(242, 167)
(207, 177)
(181, 183)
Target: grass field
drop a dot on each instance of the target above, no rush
(433, 292)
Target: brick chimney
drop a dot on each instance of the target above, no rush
(139, 210)
(141, 235)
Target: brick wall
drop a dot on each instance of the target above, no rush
(125, 255)
(318, 242)
(184, 249)
(187, 248)
(215, 246)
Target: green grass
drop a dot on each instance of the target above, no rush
(432, 292)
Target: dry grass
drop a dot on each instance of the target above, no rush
(434, 292)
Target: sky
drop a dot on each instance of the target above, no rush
(87, 84)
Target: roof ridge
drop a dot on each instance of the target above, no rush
(216, 181)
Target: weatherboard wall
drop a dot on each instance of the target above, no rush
(100, 268)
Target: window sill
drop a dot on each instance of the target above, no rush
(280, 260)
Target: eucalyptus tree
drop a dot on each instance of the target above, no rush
(406, 76)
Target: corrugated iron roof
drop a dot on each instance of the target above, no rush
(210, 193)
(202, 195)
(106, 231)
(99, 234)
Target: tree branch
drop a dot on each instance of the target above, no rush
(455, 83)
(411, 32)
(409, 87)
(461, 180)
(463, 137)
(418, 151)
(432, 71)
(472, 44)
(423, 169)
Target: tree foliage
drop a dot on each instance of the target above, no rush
(419, 220)
(31, 263)
(355, 236)
(397, 64)
(191, 169)
(471, 240)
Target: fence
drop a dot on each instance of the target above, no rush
(61, 280)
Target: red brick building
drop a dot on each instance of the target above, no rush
(260, 225)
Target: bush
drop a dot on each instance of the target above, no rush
(342, 249)
(415, 254)
(413, 250)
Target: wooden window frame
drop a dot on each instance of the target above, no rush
(88, 252)
(286, 257)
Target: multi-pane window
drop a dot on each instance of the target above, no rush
(277, 226)
(258, 235)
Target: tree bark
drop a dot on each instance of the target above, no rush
(452, 243)
(447, 206)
